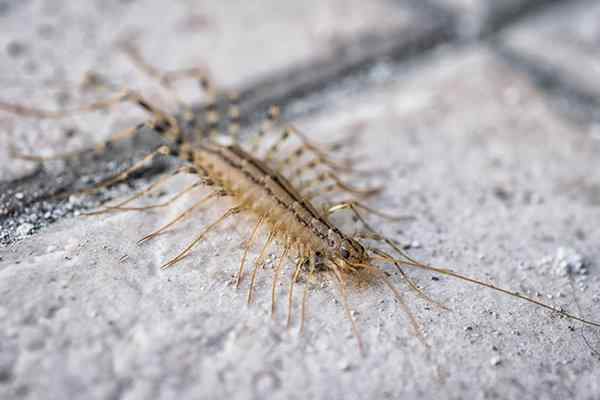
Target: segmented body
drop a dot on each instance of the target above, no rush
(267, 192)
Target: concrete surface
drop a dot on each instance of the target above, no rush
(500, 182)
(549, 45)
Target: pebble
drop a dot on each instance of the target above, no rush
(344, 365)
(24, 229)
(495, 361)
(569, 261)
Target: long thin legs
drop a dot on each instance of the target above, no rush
(188, 249)
(276, 272)
(304, 306)
(337, 274)
(247, 247)
(122, 176)
(120, 206)
(294, 278)
(260, 262)
(182, 216)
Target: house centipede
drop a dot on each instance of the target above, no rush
(272, 185)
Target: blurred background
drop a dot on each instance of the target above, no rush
(483, 114)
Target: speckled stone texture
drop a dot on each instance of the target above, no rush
(499, 178)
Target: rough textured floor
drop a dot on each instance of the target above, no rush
(481, 117)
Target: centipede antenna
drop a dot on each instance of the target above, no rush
(456, 275)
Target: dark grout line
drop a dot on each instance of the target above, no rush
(575, 103)
(351, 61)
(503, 18)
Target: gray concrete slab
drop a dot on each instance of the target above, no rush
(499, 187)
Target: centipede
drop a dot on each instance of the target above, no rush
(288, 184)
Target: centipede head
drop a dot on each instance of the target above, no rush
(350, 252)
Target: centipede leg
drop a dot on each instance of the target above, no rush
(120, 206)
(376, 236)
(188, 249)
(320, 155)
(166, 79)
(276, 146)
(272, 117)
(183, 215)
(348, 204)
(162, 122)
(276, 272)
(212, 117)
(304, 306)
(162, 150)
(344, 297)
(411, 317)
(259, 262)
(336, 186)
(247, 247)
(200, 74)
(293, 280)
